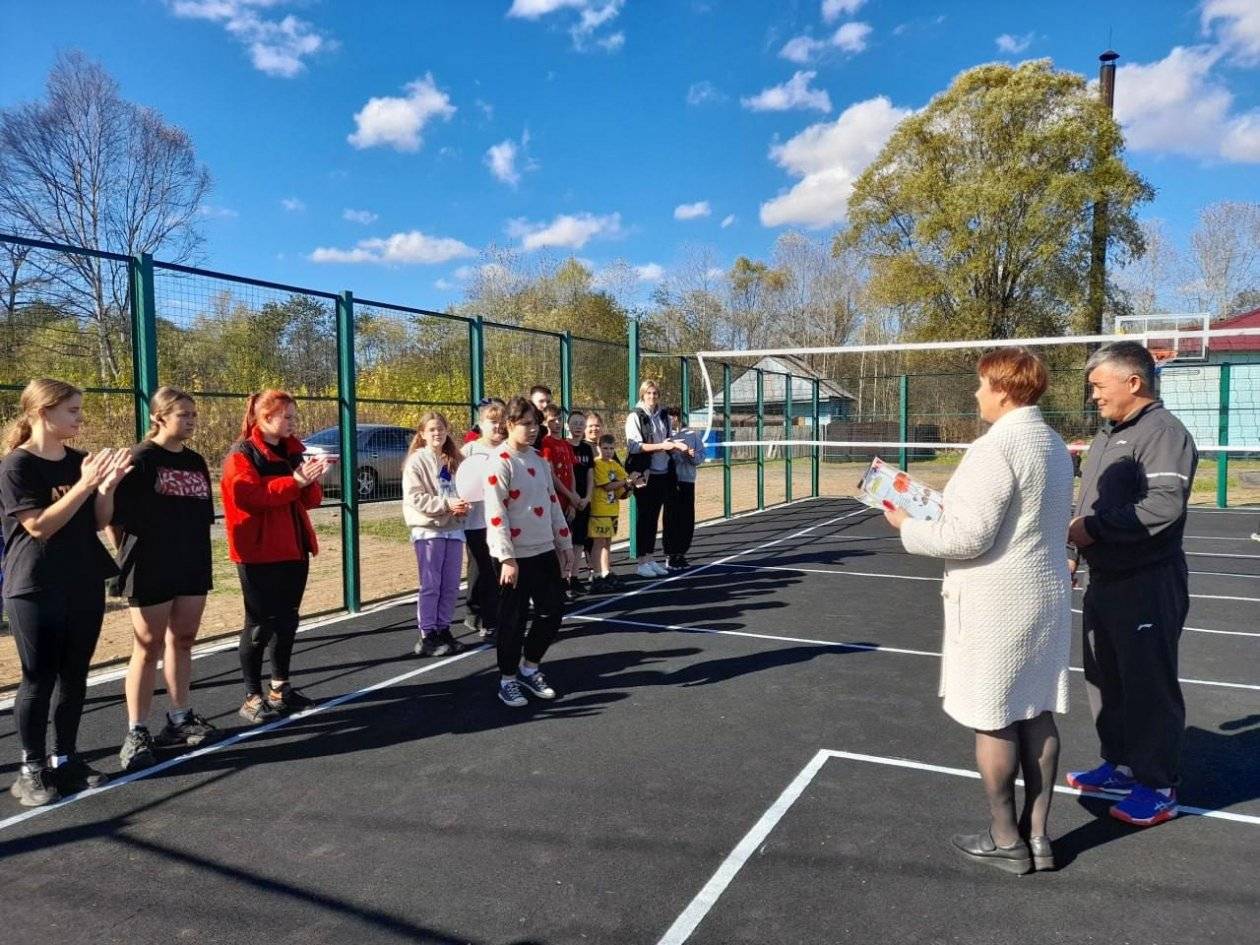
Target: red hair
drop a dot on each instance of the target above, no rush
(1016, 372)
(263, 404)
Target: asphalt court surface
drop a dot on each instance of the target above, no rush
(422, 810)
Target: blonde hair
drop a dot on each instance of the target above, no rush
(43, 393)
(450, 452)
(647, 385)
(162, 403)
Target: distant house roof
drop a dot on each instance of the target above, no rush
(774, 383)
(1243, 343)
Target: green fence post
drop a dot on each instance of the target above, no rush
(684, 381)
(1222, 439)
(761, 432)
(787, 437)
(566, 372)
(816, 459)
(476, 363)
(144, 368)
(726, 438)
(347, 420)
(903, 421)
(632, 395)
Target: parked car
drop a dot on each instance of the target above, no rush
(382, 450)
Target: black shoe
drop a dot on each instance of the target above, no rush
(77, 775)
(437, 643)
(255, 710)
(35, 787)
(488, 635)
(286, 700)
(598, 585)
(192, 731)
(455, 645)
(1042, 854)
(981, 848)
(674, 564)
(137, 751)
(614, 582)
(576, 587)
(683, 563)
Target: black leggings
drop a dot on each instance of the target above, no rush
(537, 581)
(273, 594)
(56, 635)
(680, 519)
(649, 500)
(483, 579)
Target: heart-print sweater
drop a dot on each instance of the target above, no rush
(523, 516)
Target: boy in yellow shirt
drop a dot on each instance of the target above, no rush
(609, 486)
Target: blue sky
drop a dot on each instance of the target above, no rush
(379, 146)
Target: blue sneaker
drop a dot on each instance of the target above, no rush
(1104, 779)
(1146, 807)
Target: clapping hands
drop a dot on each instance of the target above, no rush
(312, 470)
(105, 469)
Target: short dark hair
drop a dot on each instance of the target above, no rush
(607, 440)
(553, 410)
(1127, 356)
(520, 410)
(672, 411)
(540, 389)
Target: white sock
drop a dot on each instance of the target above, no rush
(604, 574)
(178, 716)
(56, 761)
(504, 679)
(527, 670)
(1166, 791)
(1125, 770)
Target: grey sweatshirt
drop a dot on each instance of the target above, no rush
(1135, 484)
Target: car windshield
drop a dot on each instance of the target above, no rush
(328, 437)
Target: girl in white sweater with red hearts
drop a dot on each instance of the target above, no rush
(528, 534)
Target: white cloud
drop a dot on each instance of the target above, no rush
(293, 205)
(850, 38)
(359, 216)
(211, 212)
(650, 272)
(487, 110)
(1237, 24)
(398, 122)
(501, 159)
(568, 231)
(1177, 105)
(276, 46)
(592, 16)
(444, 285)
(801, 49)
(701, 93)
(794, 93)
(715, 272)
(692, 211)
(832, 10)
(410, 248)
(828, 157)
(728, 220)
(1011, 44)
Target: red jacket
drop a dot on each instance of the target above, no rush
(264, 508)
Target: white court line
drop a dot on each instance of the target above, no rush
(832, 644)
(910, 577)
(1218, 554)
(707, 897)
(1218, 538)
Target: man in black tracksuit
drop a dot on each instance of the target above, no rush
(1131, 515)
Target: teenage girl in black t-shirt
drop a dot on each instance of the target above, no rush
(161, 527)
(53, 500)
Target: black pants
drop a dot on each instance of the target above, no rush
(483, 579)
(537, 583)
(680, 519)
(273, 594)
(56, 635)
(1133, 625)
(649, 501)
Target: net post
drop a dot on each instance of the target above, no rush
(632, 393)
(476, 364)
(566, 371)
(347, 421)
(903, 421)
(816, 450)
(1222, 439)
(684, 381)
(144, 366)
(761, 431)
(726, 438)
(787, 436)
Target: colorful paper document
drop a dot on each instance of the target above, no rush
(884, 486)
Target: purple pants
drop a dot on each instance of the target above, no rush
(440, 561)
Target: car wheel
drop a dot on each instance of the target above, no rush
(366, 481)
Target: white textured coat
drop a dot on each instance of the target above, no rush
(1007, 591)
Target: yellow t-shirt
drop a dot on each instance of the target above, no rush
(603, 502)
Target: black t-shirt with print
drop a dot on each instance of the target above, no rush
(73, 559)
(165, 510)
(582, 466)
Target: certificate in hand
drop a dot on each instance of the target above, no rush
(886, 487)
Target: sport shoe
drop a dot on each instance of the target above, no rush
(34, 787)
(137, 751)
(192, 731)
(286, 700)
(1145, 807)
(488, 635)
(1104, 779)
(612, 582)
(77, 775)
(674, 564)
(599, 585)
(510, 693)
(1255, 536)
(256, 711)
(435, 643)
(661, 570)
(454, 645)
(473, 623)
(536, 685)
(646, 570)
(576, 587)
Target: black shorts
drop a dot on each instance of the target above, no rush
(153, 597)
(578, 527)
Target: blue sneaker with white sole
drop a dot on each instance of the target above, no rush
(1105, 779)
(1146, 807)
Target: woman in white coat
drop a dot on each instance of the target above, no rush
(1007, 595)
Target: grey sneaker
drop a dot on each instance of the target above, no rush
(34, 787)
(510, 693)
(192, 731)
(256, 711)
(137, 751)
(77, 775)
(536, 685)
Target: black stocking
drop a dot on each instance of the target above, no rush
(1039, 763)
(997, 757)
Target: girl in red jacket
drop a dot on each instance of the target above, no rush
(267, 489)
